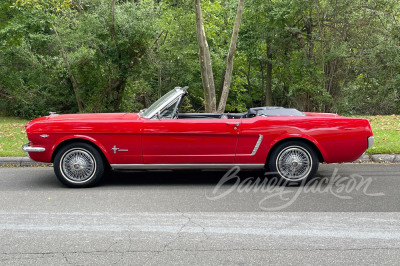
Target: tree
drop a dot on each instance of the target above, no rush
(314, 55)
(229, 61)
(205, 62)
(70, 74)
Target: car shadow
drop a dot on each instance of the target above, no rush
(46, 179)
(176, 177)
(181, 177)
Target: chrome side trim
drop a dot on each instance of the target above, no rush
(370, 142)
(183, 166)
(260, 138)
(26, 148)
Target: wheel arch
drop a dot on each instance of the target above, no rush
(299, 139)
(65, 142)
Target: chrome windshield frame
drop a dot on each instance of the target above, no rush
(178, 92)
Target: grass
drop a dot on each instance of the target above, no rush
(386, 131)
(12, 136)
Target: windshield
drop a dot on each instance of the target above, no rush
(160, 103)
(169, 111)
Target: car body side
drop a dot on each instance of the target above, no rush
(128, 138)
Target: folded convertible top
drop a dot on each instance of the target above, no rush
(273, 111)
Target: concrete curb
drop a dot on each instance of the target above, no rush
(20, 162)
(367, 158)
(379, 158)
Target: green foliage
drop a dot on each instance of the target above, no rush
(327, 55)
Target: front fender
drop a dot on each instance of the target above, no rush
(77, 138)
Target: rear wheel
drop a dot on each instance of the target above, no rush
(293, 161)
(79, 165)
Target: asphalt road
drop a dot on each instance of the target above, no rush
(349, 214)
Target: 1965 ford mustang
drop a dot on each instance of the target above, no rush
(287, 142)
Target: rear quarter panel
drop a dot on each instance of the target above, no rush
(339, 139)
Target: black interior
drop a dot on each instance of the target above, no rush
(252, 112)
(210, 116)
(272, 111)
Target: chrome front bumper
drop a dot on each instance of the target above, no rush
(370, 142)
(26, 148)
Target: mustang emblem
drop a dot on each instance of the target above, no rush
(115, 149)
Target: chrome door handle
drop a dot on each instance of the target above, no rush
(236, 124)
(233, 124)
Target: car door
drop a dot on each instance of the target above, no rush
(190, 141)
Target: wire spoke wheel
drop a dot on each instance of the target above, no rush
(294, 163)
(78, 165)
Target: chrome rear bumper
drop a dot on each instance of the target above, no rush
(26, 148)
(370, 142)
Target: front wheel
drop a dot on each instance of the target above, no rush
(293, 161)
(78, 165)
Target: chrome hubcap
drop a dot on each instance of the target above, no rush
(294, 163)
(78, 165)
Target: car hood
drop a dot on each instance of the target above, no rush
(82, 122)
(87, 117)
(91, 117)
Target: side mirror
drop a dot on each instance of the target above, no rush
(158, 115)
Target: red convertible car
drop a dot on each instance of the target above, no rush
(283, 141)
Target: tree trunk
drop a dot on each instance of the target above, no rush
(310, 55)
(205, 62)
(229, 62)
(118, 95)
(159, 80)
(262, 75)
(221, 84)
(268, 88)
(117, 89)
(249, 83)
(70, 74)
